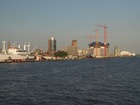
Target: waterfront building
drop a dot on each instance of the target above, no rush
(51, 45)
(97, 49)
(72, 50)
(126, 53)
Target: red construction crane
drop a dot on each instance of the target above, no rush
(105, 37)
(90, 36)
(96, 36)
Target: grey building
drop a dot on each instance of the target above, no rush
(72, 50)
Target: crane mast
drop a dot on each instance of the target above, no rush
(96, 36)
(105, 38)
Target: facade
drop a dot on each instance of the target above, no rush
(74, 43)
(72, 50)
(97, 49)
(51, 45)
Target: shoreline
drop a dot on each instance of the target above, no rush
(47, 60)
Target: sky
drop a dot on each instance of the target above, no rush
(36, 21)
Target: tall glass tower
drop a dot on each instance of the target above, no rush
(52, 45)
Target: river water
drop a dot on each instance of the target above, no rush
(111, 81)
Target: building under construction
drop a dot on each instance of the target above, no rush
(96, 49)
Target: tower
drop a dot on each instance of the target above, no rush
(105, 39)
(74, 43)
(51, 45)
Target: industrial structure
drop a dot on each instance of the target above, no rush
(97, 49)
(51, 45)
(90, 37)
(105, 39)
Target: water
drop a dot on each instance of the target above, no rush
(113, 81)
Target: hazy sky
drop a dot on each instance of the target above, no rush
(38, 20)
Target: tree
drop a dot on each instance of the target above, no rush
(60, 54)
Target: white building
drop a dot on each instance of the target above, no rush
(126, 53)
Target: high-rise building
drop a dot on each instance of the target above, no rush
(51, 45)
(74, 43)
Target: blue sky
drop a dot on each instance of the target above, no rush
(38, 20)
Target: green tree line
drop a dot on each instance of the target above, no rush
(60, 54)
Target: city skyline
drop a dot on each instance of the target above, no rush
(37, 21)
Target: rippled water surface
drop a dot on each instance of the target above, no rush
(113, 81)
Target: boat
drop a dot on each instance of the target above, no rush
(15, 54)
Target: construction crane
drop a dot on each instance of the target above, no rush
(90, 37)
(96, 36)
(105, 37)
